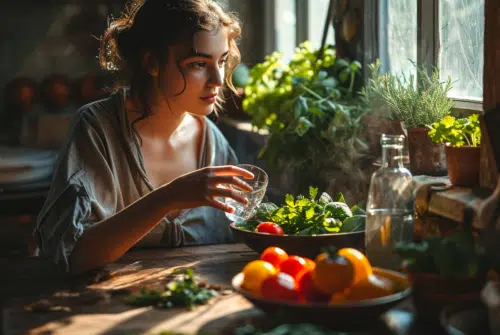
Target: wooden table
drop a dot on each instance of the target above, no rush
(95, 305)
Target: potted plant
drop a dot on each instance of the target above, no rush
(419, 101)
(444, 270)
(379, 118)
(462, 137)
(311, 109)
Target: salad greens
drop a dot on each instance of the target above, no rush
(183, 291)
(454, 256)
(310, 215)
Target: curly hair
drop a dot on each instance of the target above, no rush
(151, 26)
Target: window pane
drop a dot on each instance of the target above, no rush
(398, 36)
(285, 27)
(462, 40)
(316, 22)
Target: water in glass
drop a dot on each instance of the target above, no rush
(259, 184)
(390, 206)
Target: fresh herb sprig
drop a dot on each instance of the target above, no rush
(310, 215)
(183, 292)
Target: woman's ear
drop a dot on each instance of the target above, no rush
(150, 63)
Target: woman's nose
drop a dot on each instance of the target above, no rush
(216, 77)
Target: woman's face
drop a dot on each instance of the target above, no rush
(196, 72)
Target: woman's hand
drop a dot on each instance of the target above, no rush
(202, 188)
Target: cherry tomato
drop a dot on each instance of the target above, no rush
(270, 228)
(294, 266)
(308, 291)
(255, 273)
(274, 255)
(333, 273)
(280, 287)
(310, 264)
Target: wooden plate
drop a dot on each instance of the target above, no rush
(349, 316)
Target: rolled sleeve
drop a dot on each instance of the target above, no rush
(62, 222)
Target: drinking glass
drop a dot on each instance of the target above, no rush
(259, 184)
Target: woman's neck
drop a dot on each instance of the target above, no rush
(163, 123)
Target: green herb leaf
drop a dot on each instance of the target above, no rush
(353, 224)
(340, 198)
(325, 198)
(182, 291)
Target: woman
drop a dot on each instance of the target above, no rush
(143, 166)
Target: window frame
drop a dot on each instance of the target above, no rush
(428, 39)
(428, 42)
(301, 28)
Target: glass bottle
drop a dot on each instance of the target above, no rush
(390, 206)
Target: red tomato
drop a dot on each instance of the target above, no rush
(307, 291)
(280, 287)
(294, 266)
(310, 264)
(270, 228)
(274, 255)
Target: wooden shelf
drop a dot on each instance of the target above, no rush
(448, 201)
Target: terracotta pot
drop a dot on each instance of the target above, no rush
(56, 91)
(463, 165)
(21, 95)
(426, 157)
(431, 293)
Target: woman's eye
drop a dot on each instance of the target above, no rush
(197, 65)
(222, 62)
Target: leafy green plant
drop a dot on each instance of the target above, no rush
(183, 291)
(310, 215)
(312, 112)
(457, 132)
(418, 100)
(372, 93)
(453, 256)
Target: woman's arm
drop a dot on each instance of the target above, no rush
(106, 241)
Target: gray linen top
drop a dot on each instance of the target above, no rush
(100, 171)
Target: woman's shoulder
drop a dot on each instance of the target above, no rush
(100, 115)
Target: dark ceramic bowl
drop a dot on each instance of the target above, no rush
(347, 316)
(305, 246)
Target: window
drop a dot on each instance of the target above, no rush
(285, 26)
(298, 20)
(461, 27)
(451, 38)
(398, 36)
(316, 22)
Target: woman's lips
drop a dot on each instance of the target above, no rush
(209, 98)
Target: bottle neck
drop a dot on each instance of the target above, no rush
(392, 157)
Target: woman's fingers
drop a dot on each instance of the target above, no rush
(212, 201)
(231, 170)
(231, 180)
(228, 193)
